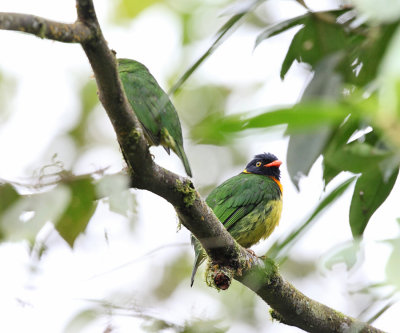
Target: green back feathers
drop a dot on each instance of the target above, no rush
(239, 195)
(153, 108)
(248, 205)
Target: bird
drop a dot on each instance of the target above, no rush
(249, 205)
(153, 108)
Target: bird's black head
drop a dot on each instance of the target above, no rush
(264, 164)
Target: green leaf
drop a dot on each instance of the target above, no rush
(222, 35)
(304, 148)
(348, 253)
(365, 54)
(338, 139)
(79, 210)
(116, 190)
(89, 100)
(281, 247)
(8, 196)
(358, 157)
(174, 273)
(82, 319)
(302, 116)
(127, 9)
(280, 27)
(370, 192)
(26, 216)
(393, 264)
(217, 128)
(283, 26)
(317, 39)
(7, 91)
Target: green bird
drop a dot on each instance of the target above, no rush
(249, 204)
(153, 108)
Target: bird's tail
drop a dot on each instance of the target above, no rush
(181, 153)
(200, 255)
(168, 141)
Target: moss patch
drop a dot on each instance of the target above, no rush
(134, 136)
(187, 190)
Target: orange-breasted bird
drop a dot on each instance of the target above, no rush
(249, 204)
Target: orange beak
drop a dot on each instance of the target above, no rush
(276, 163)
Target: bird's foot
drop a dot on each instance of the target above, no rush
(251, 252)
(250, 257)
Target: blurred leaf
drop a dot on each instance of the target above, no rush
(283, 26)
(8, 196)
(338, 139)
(280, 27)
(79, 210)
(216, 129)
(174, 273)
(370, 192)
(362, 61)
(199, 104)
(246, 312)
(318, 38)
(300, 117)
(220, 129)
(393, 264)
(347, 253)
(324, 33)
(159, 325)
(89, 99)
(128, 9)
(84, 318)
(222, 35)
(7, 90)
(298, 268)
(116, 189)
(280, 248)
(358, 157)
(304, 148)
(26, 216)
(204, 326)
(381, 311)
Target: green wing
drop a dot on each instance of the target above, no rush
(232, 201)
(144, 94)
(239, 195)
(153, 108)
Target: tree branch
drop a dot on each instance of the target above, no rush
(288, 304)
(291, 307)
(43, 28)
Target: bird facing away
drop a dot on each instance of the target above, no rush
(249, 204)
(153, 108)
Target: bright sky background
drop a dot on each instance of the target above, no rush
(47, 77)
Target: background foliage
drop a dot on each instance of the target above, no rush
(104, 253)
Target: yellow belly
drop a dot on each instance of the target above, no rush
(259, 224)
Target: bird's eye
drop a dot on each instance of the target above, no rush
(258, 164)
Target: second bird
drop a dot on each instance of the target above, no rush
(153, 108)
(249, 204)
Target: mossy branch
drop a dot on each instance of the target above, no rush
(289, 305)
